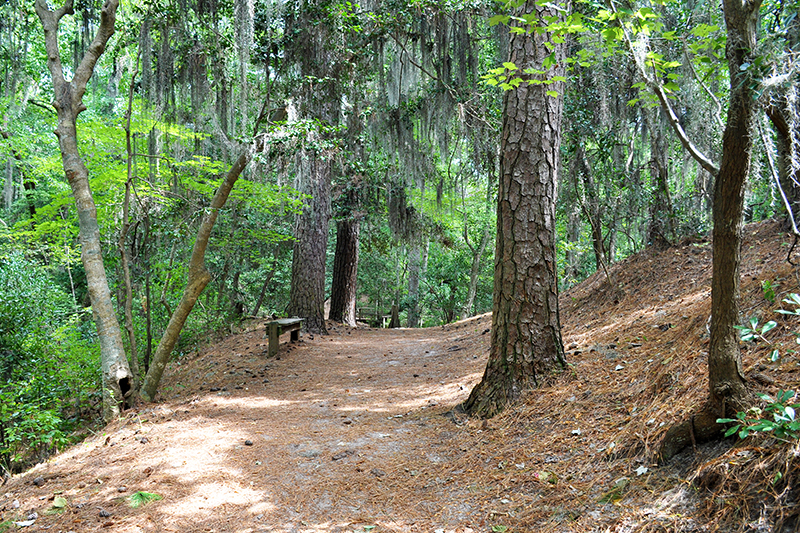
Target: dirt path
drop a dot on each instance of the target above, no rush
(329, 436)
(353, 432)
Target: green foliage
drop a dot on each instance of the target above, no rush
(794, 300)
(141, 498)
(768, 288)
(48, 367)
(777, 418)
(752, 332)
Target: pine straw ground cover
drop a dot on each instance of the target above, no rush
(358, 430)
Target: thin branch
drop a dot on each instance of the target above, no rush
(47, 107)
(674, 120)
(777, 180)
(709, 92)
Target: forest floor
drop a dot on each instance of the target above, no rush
(356, 431)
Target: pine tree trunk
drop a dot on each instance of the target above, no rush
(526, 345)
(68, 101)
(726, 378)
(345, 272)
(307, 295)
(320, 102)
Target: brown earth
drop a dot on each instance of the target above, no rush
(356, 431)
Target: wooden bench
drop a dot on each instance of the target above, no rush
(276, 328)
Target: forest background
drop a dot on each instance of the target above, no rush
(370, 133)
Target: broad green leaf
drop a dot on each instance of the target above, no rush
(768, 326)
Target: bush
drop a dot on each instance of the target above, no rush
(49, 370)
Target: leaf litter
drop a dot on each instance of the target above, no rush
(359, 430)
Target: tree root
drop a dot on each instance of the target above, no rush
(697, 429)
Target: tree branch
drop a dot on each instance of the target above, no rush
(674, 121)
(108, 15)
(718, 114)
(50, 20)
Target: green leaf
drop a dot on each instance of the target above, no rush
(612, 34)
(59, 502)
(768, 326)
(140, 498)
(554, 94)
(671, 86)
(499, 19)
(510, 66)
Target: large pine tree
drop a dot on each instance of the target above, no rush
(526, 334)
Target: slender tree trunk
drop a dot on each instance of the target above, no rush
(526, 333)
(133, 361)
(787, 152)
(263, 291)
(345, 272)
(474, 271)
(117, 377)
(660, 230)
(199, 277)
(728, 392)
(417, 263)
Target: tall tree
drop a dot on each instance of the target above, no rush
(728, 392)
(310, 35)
(526, 344)
(68, 101)
(345, 272)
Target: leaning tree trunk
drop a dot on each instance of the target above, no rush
(728, 392)
(526, 334)
(199, 277)
(345, 272)
(68, 101)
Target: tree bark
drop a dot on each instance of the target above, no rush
(417, 265)
(345, 272)
(728, 392)
(660, 227)
(133, 361)
(307, 294)
(68, 101)
(787, 153)
(310, 49)
(526, 345)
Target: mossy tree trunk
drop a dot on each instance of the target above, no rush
(526, 346)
